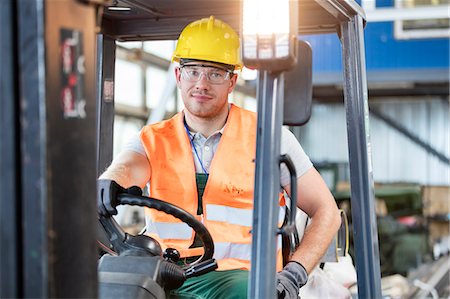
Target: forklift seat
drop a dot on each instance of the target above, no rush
(336, 272)
(338, 247)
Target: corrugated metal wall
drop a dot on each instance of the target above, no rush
(396, 158)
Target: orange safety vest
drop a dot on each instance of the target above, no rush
(228, 196)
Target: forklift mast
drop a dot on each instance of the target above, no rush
(52, 155)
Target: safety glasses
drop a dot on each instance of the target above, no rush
(214, 75)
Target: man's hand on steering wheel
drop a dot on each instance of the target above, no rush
(107, 191)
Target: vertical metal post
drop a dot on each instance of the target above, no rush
(267, 186)
(33, 148)
(106, 56)
(70, 149)
(361, 177)
(9, 155)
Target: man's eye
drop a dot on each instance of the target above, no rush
(193, 73)
(215, 75)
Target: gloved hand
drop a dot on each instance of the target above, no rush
(107, 191)
(290, 280)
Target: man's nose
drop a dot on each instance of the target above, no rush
(202, 82)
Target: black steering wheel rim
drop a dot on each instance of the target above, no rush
(118, 237)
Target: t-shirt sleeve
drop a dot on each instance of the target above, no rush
(134, 144)
(291, 147)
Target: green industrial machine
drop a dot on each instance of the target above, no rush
(402, 229)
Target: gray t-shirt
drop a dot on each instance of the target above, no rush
(205, 149)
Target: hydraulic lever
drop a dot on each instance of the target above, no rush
(201, 268)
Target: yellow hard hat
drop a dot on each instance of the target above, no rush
(209, 39)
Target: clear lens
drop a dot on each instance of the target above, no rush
(213, 75)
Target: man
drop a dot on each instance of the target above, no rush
(202, 160)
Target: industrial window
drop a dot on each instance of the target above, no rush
(124, 127)
(156, 82)
(128, 89)
(163, 49)
(437, 25)
(140, 77)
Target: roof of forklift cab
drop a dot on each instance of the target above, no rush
(165, 19)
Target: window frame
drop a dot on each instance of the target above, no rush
(401, 33)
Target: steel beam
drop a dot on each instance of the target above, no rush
(106, 56)
(267, 186)
(10, 248)
(31, 49)
(361, 176)
(70, 149)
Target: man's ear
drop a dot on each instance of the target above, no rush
(233, 81)
(178, 76)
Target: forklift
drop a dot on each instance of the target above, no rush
(55, 92)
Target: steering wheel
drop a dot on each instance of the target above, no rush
(123, 243)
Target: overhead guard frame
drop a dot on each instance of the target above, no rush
(164, 20)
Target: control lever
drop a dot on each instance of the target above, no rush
(201, 268)
(171, 255)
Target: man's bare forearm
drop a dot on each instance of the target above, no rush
(128, 169)
(316, 200)
(317, 238)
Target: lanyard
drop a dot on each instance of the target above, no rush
(191, 139)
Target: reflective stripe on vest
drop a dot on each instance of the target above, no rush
(236, 216)
(236, 251)
(168, 230)
(179, 230)
(228, 195)
(173, 230)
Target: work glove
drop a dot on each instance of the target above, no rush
(290, 280)
(107, 191)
